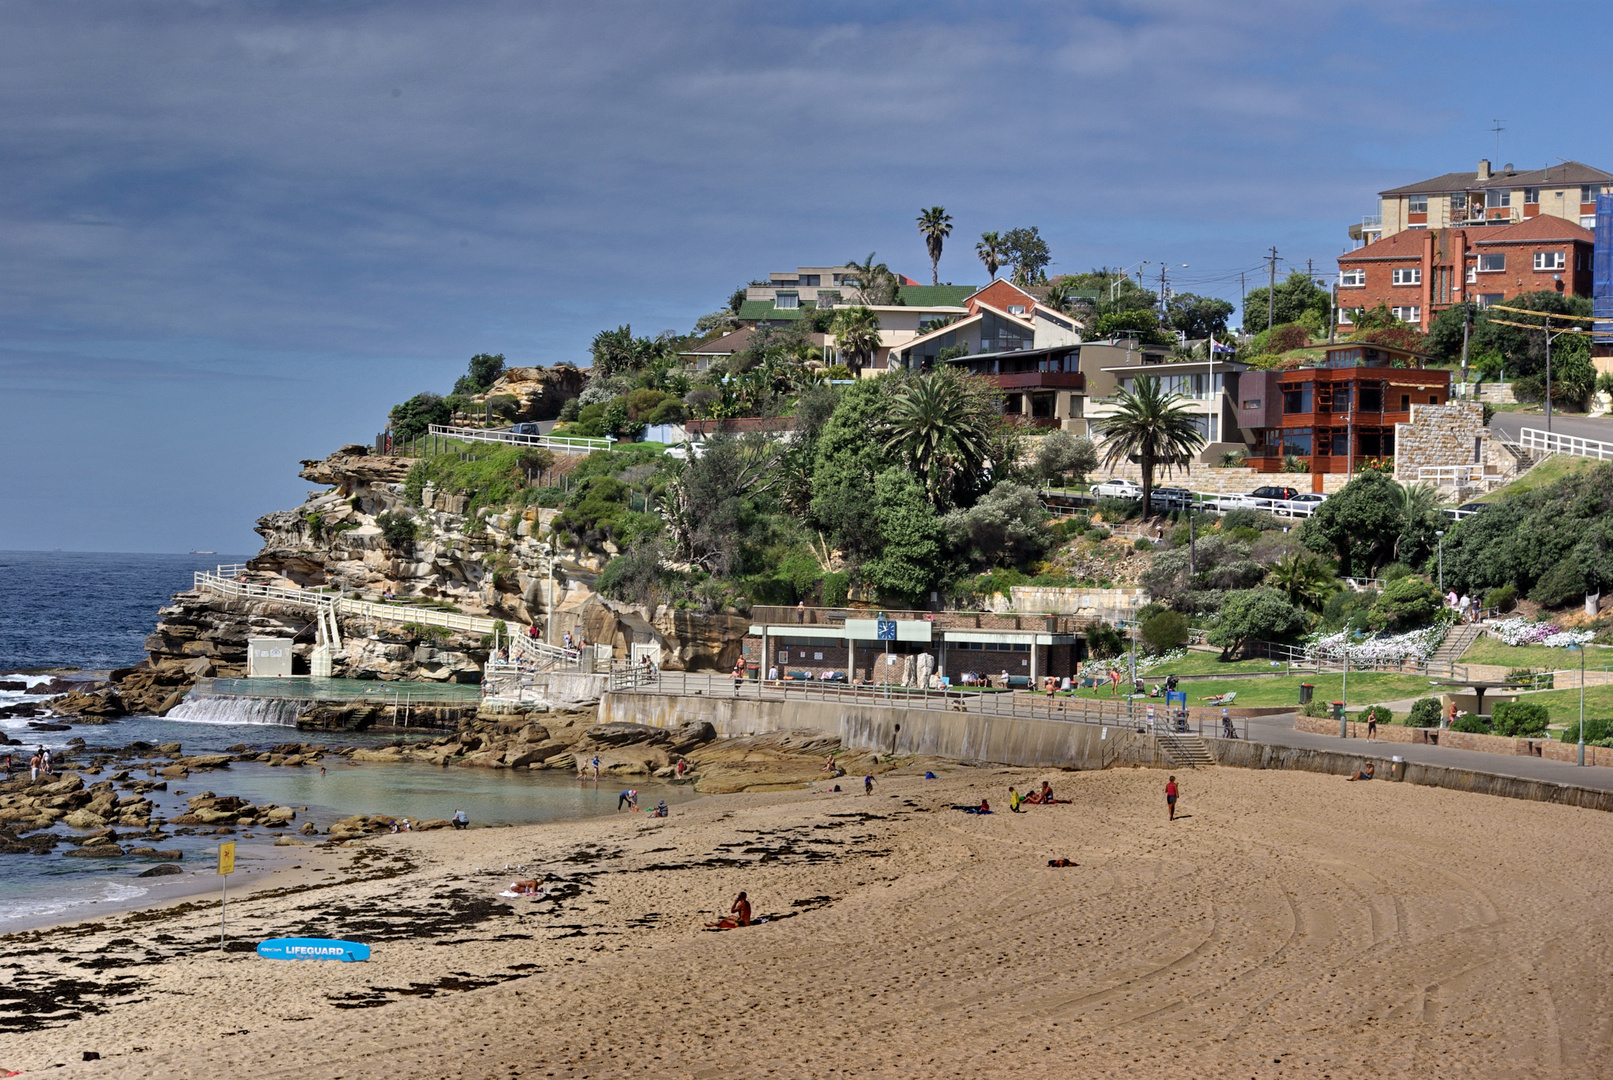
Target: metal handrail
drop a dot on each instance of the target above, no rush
(229, 585)
(567, 443)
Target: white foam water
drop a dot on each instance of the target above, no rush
(272, 712)
(64, 897)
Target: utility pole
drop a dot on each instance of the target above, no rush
(1467, 322)
(1333, 323)
(1271, 290)
(1162, 288)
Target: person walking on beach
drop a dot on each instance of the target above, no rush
(1170, 797)
(461, 819)
(868, 784)
(1014, 800)
(595, 764)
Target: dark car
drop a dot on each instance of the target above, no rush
(526, 429)
(1273, 492)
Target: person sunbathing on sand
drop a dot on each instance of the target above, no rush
(1364, 774)
(526, 888)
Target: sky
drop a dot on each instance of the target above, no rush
(233, 234)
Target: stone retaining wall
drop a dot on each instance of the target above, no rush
(1441, 435)
(1549, 749)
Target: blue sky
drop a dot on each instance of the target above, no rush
(233, 234)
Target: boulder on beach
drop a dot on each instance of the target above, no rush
(161, 870)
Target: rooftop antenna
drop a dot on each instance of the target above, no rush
(1498, 129)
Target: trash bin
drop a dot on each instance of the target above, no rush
(1305, 691)
(1338, 710)
(1397, 768)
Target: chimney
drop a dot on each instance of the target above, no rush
(1484, 168)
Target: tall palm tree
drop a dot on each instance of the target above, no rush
(1151, 426)
(992, 251)
(856, 331)
(935, 224)
(942, 429)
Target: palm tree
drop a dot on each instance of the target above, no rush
(1418, 502)
(1306, 581)
(1152, 427)
(935, 224)
(856, 331)
(874, 282)
(942, 429)
(991, 251)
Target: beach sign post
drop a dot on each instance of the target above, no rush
(226, 867)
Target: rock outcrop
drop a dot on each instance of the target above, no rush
(540, 393)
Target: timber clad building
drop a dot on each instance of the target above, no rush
(1339, 413)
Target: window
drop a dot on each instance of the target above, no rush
(1372, 399)
(1417, 204)
(839, 279)
(1492, 264)
(1587, 221)
(1531, 196)
(787, 300)
(1297, 400)
(1413, 276)
(1550, 260)
(1297, 443)
(1433, 399)
(1488, 298)
(1410, 314)
(1497, 197)
(1352, 279)
(809, 279)
(1054, 319)
(1472, 275)
(1405, 402)
(1339, 445)
(1016, 309)
(1251, 403)
(1077, 405)
(1587, 193)
(1347, 316)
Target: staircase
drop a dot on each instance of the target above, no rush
(1457, 639)
(1186, 751)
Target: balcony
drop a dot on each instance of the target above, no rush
(1042, 423)
(1039, 380)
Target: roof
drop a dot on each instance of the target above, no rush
(1565, 174)
(763, 310)
(1017, 354)
(727, 345)
(1539, 228)
(936, 295)
(1408, 244)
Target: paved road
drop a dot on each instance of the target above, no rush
(1276, 730)
(1600, 428)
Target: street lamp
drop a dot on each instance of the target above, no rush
(1124, 274)
(1581, 648)
(1440, 534)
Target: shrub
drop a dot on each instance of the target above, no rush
(1165, 630)
(1425, 712)
(411, 419)
(1471, 724)
(1142, 543)
(1286, 337)
(1376, 712)
(1244, 533)
(1098, 533)
(399, 530)
(836, 588)
(1405, 604)
(1104, 640)
(1114, 509)
(1395, 571)
(1596, 728)
(1317, 708)
(1069, 527)
(1241, 517)
(1502, 597)
(1520, 718)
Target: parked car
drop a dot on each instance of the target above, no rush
(1465, 510)
(1118, 489)
(1264, 497)
(526, 429)
(1172, 498)
(1301, 505)
(1223, 503)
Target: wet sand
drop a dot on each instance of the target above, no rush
(1289, 925)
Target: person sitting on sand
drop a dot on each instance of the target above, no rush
(1364, 774)
(985, 807)
(661, 809)
(1061, 862)
(741, 908)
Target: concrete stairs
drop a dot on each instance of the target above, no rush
(1186, 750)
(1457, 639)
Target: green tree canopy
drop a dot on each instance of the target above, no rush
(1152, 426)
(1198, 316)
(1255, 615)
(992, 252)
(411, 419)
(1358, 525)
(1027, 253)
(1007, 527)
(1291, 299)
(907, 564)
(856, 331)
(1062, 455)
(940, 426)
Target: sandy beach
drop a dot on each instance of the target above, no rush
(1287, 924)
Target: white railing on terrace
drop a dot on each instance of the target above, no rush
(230, 584)
(524, 646)
(1451, 474)
(1554, 442)
(566, 444)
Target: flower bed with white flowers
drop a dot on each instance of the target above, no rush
(1522, 631)
(1414, 645)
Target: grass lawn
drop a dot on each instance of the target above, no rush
(1208, 663)
(1366, 688)
(1552, 469)
(1563, 705)
(1487, 650)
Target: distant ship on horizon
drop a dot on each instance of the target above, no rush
(193, 551)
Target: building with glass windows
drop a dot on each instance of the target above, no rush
(1330, 417)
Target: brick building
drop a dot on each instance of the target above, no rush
(1420, 272)
(843, 643)
(1488, 198)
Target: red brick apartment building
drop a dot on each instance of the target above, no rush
(1420, 272)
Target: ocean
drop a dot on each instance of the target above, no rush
(93, 611)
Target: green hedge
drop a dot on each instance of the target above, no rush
(1520, 719)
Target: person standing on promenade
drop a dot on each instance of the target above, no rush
(1171, 792)
(739, 672)
(1372, 724)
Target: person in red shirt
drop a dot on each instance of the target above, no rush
(1170, 797)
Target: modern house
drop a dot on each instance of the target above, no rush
(1488, 198)
(1208, 390)
(843, 643)
(1418, 272)
(1329, 417)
